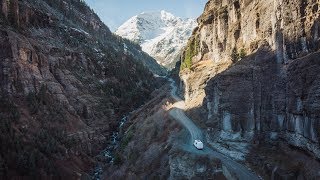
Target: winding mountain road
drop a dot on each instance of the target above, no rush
(177, 112)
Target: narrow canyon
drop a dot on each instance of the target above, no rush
(78, 101)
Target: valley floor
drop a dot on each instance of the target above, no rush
(155, 145)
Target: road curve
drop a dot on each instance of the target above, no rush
(177, 112)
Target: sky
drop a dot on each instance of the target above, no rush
(115, 12)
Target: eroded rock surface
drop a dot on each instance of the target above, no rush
(65, 81)
(267, 89)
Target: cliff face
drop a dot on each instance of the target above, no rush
(65, 82)
(228, 30)
(250, 74)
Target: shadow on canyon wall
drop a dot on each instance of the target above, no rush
(275, 107)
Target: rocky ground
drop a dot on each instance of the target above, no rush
(143, 150)
(151, 147)
(279, 160)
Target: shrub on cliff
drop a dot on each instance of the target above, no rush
(236, 56)
(191, 51)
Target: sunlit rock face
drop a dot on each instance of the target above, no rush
(264, 65)
(227, 27)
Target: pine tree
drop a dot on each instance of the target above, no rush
(4, 8)
(13, 13)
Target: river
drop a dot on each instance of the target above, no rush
(108, 152)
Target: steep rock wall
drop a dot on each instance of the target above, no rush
(270, 86)
(228, 30)
(65, 82)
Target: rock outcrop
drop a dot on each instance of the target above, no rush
(265, 84)
(65, 82)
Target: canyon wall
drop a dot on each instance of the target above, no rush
(65, 82)
(229, 30)
(250, 73)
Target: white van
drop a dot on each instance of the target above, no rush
(198, 144)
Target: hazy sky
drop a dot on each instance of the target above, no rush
(115, 12)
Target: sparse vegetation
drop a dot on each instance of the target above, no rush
(236, 56)
(28, 157)
(242, 53)
(33, 127)
(118, 159)
(191, 51)
(125, 141)
(9, 108)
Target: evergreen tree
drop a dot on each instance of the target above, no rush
(13, 13)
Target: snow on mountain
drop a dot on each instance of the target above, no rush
(160, 34)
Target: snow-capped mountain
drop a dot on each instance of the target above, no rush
(160, 34)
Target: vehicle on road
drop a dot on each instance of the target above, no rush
(198, 144)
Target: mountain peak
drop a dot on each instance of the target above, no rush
(161, 34)
(161, 13)
(165, 14)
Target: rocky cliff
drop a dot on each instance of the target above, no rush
(65, 82)
(250, 76)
